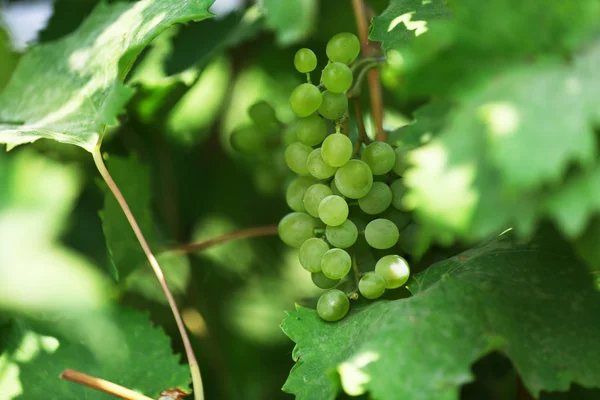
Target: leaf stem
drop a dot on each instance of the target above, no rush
(375, 92)
(228, 237)
(194, 368)
(360, 123)
(101, 385)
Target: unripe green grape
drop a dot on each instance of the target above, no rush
(296, 228)
(336, 263)
(313, 197)
(354, 179)
(311, 253)
(377, 200)
(336, 149)
(337, 77)
(343, 47)
(323, 282)
(342, 236)
(380, 157)
(401, 163)
(398, 192)
(294, 194)
(333, 210)
(296, 157)
(394, 269)
(333, 105)
(317, 167)
(248, 140)
(305, 99)
(334, 188)
(263, 115)
(381, 234)
(371, 285)
(409, 241)
(333, 305)
(305, 60)
(311, 130)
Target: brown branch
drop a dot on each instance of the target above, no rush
(101, 385)
(236, 235)
(375, 92)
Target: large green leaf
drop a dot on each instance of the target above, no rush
(292, 20)
(70, 89)
(534, 302)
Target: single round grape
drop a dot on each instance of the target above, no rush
(305, 60)
(296, 228)
(337, 77)
(334, 188)
(323, 282)
(305, 99)
(394, 269)
(333, 210)
(263, 115)
(248, 140)
(333, 105)
(336, 263)
(343, 47)
(333, 305)
(317, 167)
(311, 130)
(409, 241)
(336, 149)
(380, 157)
(377, 200)
(313, 197)
(354, 179)
(401, 163)
(296, 157)
(294, 194)
(342, 236)
(398, 192)
(371, 285)
(381, 234)
(311, 253)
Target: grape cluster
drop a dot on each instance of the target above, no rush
(336, 181)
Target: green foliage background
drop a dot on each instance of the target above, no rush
(497, 105)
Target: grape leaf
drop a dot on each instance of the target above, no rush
(292, 20)
(69, 89)
(428, 121)
(142, 360)
(534, 302)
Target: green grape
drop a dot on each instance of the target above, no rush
(296, 157)
(333, 210)
(401, 163)
(336, 149)
(381, 234)
(333, 305)
(336, 263)
(371, 285)
(333, 105)
(263, 115)
(343, 47)
(296, 228)
(311, 130)
(248, 140)
(305, 60)
(410, 240)
(323, 282)
(380, 157)
(342, 236)
(311, 253)
(354, 179)
(317, 167)
(400, 219)
(305, 99)
(334, 188)
(266, 180)
(398, 192)
(294, 194)
(377, 200)
(337, 77)
(313, 197)
(394, 269)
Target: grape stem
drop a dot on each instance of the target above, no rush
(101, 385)
(228, 237)
(194, 368)
(355, 89)
(375, 92)
(355, 270)
(360, 123)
